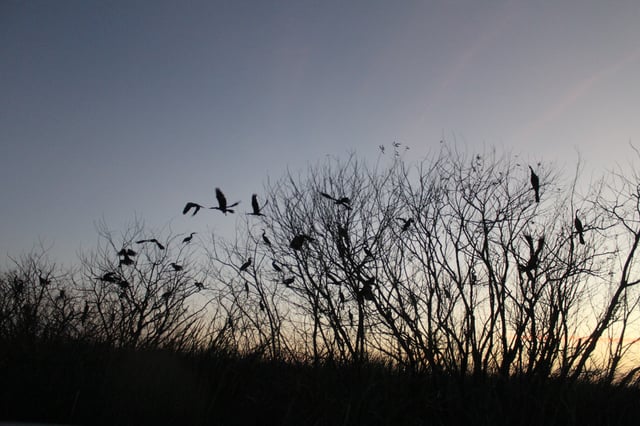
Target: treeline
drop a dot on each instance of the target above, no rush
(448, 267)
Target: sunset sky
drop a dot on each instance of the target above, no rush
(118, 109)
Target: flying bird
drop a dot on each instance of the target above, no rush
(298, 241)
(176, 267)
(126, 252)
(257, 210)
(188, 239)
(245, 265)
(151, 240)
(222, 203)
(579, 228)
(535, 184)
(195, 206)
(406, 223)
(343, 201)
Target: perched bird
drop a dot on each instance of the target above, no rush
(343, 201)
(257, 210)
(151, 240)
(265, 239)
(245, 265)
(176, 267)
(222, 203)
(276, 267)
(298, 241)
(198, 285)
(366, 291)
(288, 281)
(123, 284)
(579, 228)
(110, 277)
(188, 239)
(166, 295)
(406, 223)
(535, 184)
(195, 206)
(43, 281)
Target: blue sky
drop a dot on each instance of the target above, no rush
(114, 109)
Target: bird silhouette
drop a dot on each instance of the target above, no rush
(257, 210)
(166, 295)
(343, 201)
(298, 241)
(199, 286)
(579, 228)
(245, 265)
(110, 277)
(176, 267)
(222, 203)
(188, 239)
(535, 184)
(126, 260)
(288, 281)
(366, 291)
(195, 206)
(151, 240)
(276, 267)
(126, 252)
(265, 239)
(406, 223)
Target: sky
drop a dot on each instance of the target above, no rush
(112, 110)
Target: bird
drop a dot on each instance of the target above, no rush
(151, 240)
(406, 223)
(266, 239)
(276, 267)
(257, 210)
(176, 267)
(222, 203)
(535, 184)
(288, 281)
(44, 281)
(110, 277)
(166, 295)
(298, 241)
(343, 201)
(198, 285)
(123, 284)
(126, 252)
(366, 291)
(190, 205)
(578, 224)
(245, 265)
(126, 260)
(188, 239)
